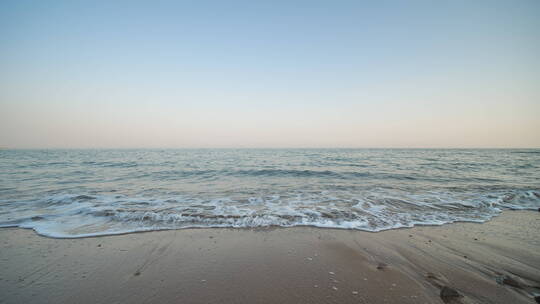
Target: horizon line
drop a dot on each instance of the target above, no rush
(263, 148)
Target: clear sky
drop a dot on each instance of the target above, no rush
(120, 74)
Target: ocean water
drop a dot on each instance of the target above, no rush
(78, 193)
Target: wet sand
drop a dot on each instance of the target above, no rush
(494, 262)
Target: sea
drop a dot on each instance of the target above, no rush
(93, 192)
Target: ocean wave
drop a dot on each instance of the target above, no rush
(111, 164)
(327, 174)
(80, 215)
(526, 152)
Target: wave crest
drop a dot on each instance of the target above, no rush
(80, 215)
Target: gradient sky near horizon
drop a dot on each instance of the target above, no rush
(186, 74)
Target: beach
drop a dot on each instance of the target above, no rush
(493, 262)
(278, 152)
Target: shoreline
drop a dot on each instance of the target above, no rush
(495, 261)
(261, 228)
(270, 227)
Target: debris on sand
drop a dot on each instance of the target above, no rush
(382, 266)
(431, 275)
(508, 280)
(448, 293)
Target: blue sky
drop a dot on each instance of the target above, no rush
(273, 74)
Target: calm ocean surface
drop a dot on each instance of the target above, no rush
(76, 193)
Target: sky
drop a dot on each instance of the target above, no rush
(269, 74)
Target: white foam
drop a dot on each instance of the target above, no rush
(71, 216)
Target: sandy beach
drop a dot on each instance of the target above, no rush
(269, 152)
(494, 262)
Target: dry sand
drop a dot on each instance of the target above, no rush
(279, 265)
